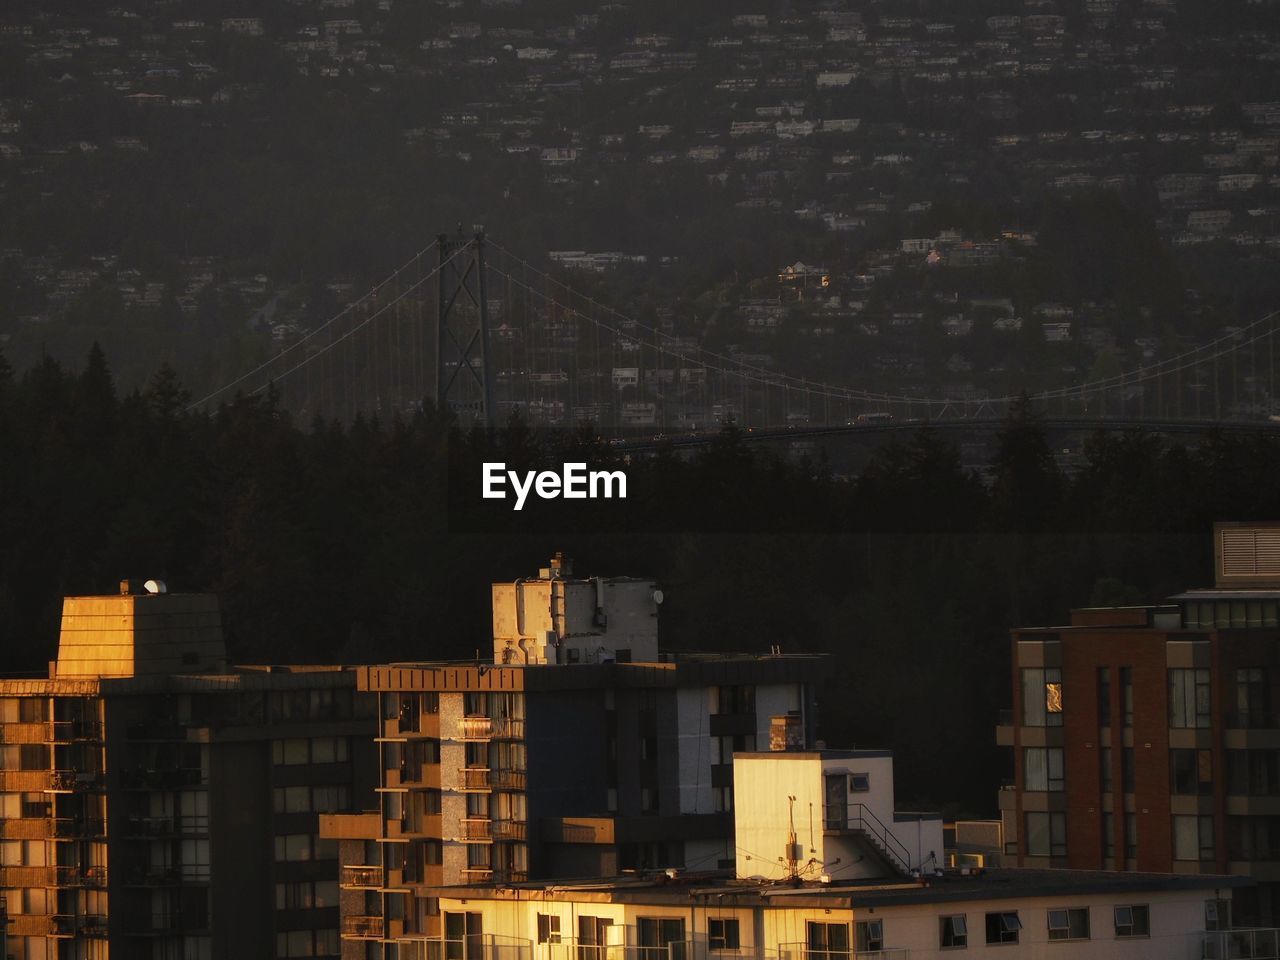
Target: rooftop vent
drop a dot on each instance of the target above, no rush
(1247, 554)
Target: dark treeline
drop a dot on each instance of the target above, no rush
(343, 543)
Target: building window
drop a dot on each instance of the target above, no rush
(1253, 773)
(548, 928)
(1133, 921)
(1193, 838)
(826, 940)
(1189, 698)
(1104, 763)
(1042, 697)
(1217, 914)
(660, 938)
(722, 934)
(1046, 834)
(1104, 696)
(868, 936)
(1253, 838)
(1126, 694)
(954, 931)
(1108, 835)
(859, 783)
(1003, 927)
(1131, 836)
(1191, 772)
(1042, 768)
(1069, 924)
(1251, 697)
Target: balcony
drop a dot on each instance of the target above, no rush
(1258, 943)
(478, 874)
(507, 779)
(24, 781)
(142, 778)
(361, 877)
(71, 731)
(67, 828)
(475, 779)
(479, 729)
(24, 733)
(509, 830)
(475, 828)
(70, 781)
(802, 951)
(362, 928)
(27, 828)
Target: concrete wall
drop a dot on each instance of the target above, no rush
(780, 930)
(128, 635)
(695, 750)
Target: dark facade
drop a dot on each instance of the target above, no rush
(1147, 738)
(147, 814)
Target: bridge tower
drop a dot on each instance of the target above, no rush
(463, 375)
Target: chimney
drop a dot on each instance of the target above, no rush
(786, 732)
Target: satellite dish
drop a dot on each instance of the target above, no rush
(155, 586)
(657, 597)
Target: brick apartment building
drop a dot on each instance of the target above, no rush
(157, 803)
(1148, 738)
(579, 751)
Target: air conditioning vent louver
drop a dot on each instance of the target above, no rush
(1248, 554)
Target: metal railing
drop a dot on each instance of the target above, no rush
(1255, 943)
(490, 728)
(362, 927)
(509, 830)
(860, 817)
(361, 876)
(507, 779)
(802, 951)
(476, 828)
(475, 778)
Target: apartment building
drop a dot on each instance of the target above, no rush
(581, 750)
(158, 803)
(1147, 738)
(780, 906)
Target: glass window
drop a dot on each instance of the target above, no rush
(1189, 698)
(868, 936)
(1193, 837)
(1126, 694)
(1042, 697)
(954, 931)
(1251, 697)
(1133, 921)
(827, 940)
(1104, 696)
(1046, 834)
(1071, 923)
(548, 928)
(1003, 927)
(1108, 835)
(722, 933)
(1131, 836)
(1042, 768)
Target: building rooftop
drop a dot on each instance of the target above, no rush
(950, 886)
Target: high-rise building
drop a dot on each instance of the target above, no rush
(156, 803)
(581, 750)
(1147, 738)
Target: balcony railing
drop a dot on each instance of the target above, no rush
(362, 876)
(475, 778)
(70, 827)
(490, 728)
(802, 951)
(362, 928)
(68, 731)
(509, 830)
(507, 779)
(1257, 943)
(478, 874)
(476, 828)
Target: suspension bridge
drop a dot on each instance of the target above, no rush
(471, 326)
